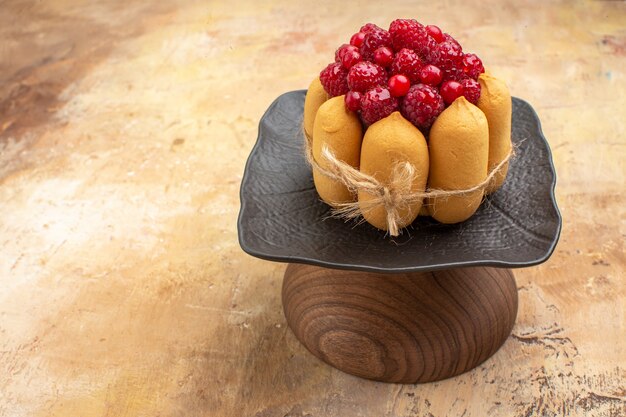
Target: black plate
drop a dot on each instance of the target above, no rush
(282, 218)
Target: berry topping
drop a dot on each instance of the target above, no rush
(422, 105)
(448, 38)
(450, 91)
(383, 56)
(431, 75)
(435, 33)
(369, 28)
(377, 104)
(409, 33)
(353, 101)
(450, 60)
(350, 58)
(373, 40)
(399, 85)
(366, 75)
(341, 51)
(407, 62)
(333, 79)
(472, 66)
(357, 39)
(471, 90)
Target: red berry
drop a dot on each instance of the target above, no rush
(472, 66)
(383, 56)
(408, 63)
(435, 33)
(471, 90)
(350, 58)
(422, 105)
(369, 28)
(450, 60)
(333, 79)
(373, 40)
(341, 51)
(450, 91)
(353, 100)
(357, 39)
(366, 75)
(377, 104)
(448, 38)
(399, 85)
(409, 33)
(431, 75)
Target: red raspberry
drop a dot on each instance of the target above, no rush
(448, 38)
(472, 66)
(450, 60)
(342, 50)
(366, 75)
(409, 33)
(422, 105)
(333, 79)
(471, 90)
(353, 100)
(369, 28)
(377, 104)
(373, 40)
(450, 91)
(408, 63)
(399, 85)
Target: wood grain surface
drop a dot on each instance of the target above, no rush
(124, 129)
(405, 328)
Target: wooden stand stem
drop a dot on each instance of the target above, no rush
(404, 328)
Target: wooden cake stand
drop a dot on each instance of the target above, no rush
(406, 328)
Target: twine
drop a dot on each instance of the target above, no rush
(394, 196)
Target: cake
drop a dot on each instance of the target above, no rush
(405, 123)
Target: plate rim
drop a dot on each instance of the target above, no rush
(404, 269)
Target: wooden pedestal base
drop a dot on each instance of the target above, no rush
(404, 328)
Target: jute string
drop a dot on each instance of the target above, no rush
(394, 196)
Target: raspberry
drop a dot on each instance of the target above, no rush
(377, 104)
(369, 28)
(450, 60)
(333, 79)
(366, 75)
(399, 85)
(409, 33)
(471, 90)
(342, 50)
(450, 91)
(422, 105)
(353, 100)
(448, 38)
(373, 40)
(472, 66)
(408, 63)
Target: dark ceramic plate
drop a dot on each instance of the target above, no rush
(282, 218)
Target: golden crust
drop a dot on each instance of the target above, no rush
(459, 151)
(386, 143)
(495, 102)
(341, 130)
(315, 97)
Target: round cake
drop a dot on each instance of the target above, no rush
(404, 122)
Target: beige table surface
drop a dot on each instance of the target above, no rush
(124, 129)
